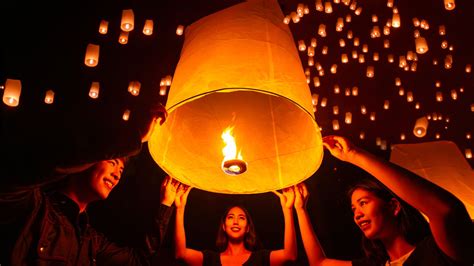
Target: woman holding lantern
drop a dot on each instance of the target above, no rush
(394, 232)
(236, 239)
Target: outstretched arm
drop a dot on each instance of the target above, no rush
(313, 248)
(289, 251)
(449, 221)
(190, 256)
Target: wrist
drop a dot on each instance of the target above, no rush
(167, 202)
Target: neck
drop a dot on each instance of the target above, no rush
(235, 248)
(396, 246)
(74, 189)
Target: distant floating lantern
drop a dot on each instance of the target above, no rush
(347, 92)
(439, 96)
(335, 110)
(148, 27)
(468, 153)
(49, 97)
(126, 115)
(94, 90)
(448, 61)
(363, 109)
(344, 58)
(390, 58)
(468, 135)
(370, 72)
(361, 58)
(398, 82)
(337, 89)
(314, 42)
(372, 116)
(386, 30)
(163, 90)
(389, 3)
(103, 27)
(378, 141)
(311, 51)
(314, 99)
(339, 24)
(416, 22)
(449, 4)
(417, 106)
(424, 24)
(386, 104)
(324, 102)
(402, 136)
(365, 48)
(342, 43)
(374, 18)
(180, 30)
(316, 82)
(335, 125)
(396, 20)
(334, 69)
(128, 18)
(322, 30)
(328, 7)
(355, 91)
(11, 93)
(401, 91)
(301, 45)
(386, 43)
(376, 56)
(287, 20)
(348, 18)
(349, 34)
(134, 87)
(310, 61)
(468, 68)
(294, 17)
(92, 55)
(209, 92)
(123, 38)
(421, 126)
(358, 11)
(421, 45)
(409, 96)
(442, 30)
(348, 118)
(354, 54)
(362, 135)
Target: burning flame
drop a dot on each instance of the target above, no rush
(230, 149)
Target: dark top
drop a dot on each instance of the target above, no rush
(426, 253)
(46, 228)
(257, 258)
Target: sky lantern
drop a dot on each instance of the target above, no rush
(103, 27)
(126, 115)
(134, 87)
(94, 90)
(180, 30)
(127, 23)
(421, 45)
(49, 97)
(239, 81)
(449, 4)
(92, 55)
(421, 126)
(123, 38)
(11, 92)
(148, 27)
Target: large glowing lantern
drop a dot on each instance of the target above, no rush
(239, 86)
(442, 163)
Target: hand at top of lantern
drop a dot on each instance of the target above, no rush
(169, 186)
(287, 198)
(301, 196)
(182, 196)
(155, 113)
(340, 148)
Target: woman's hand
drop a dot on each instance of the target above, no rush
(287, 197)
(169, 186)
(182, 196)
(301, 196)
(340, 147)
(156, 113)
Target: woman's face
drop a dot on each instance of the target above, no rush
(372, 215)
(235, 224)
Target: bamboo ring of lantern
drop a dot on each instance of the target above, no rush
(240, 71)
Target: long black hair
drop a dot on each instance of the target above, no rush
(413, 226)
(251, 241)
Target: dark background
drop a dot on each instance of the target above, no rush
(43, 45)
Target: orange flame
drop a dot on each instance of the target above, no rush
(230, 149)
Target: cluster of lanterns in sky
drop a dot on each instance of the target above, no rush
(315, 71)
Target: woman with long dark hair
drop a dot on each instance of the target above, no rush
(388, 214)
(236, 242)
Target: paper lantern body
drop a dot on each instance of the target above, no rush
(239, 68)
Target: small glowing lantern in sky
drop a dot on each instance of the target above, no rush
(92, 55)
(396, 20)
(421, 45)
(242, 72)
(49, 97)
(449, 4)
(94, 90)
(134, 87)
(123, 38)
(11, 93)
(148, 27)
(103, 27)
(126, 115)
(421, 126)
(127, 23)
(180, 30)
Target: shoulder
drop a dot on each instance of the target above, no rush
(427, 251)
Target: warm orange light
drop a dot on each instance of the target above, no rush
(233, 163)
(92, 55)
(127, 23)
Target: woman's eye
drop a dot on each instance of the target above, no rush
(112, 163)
(362, 203)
